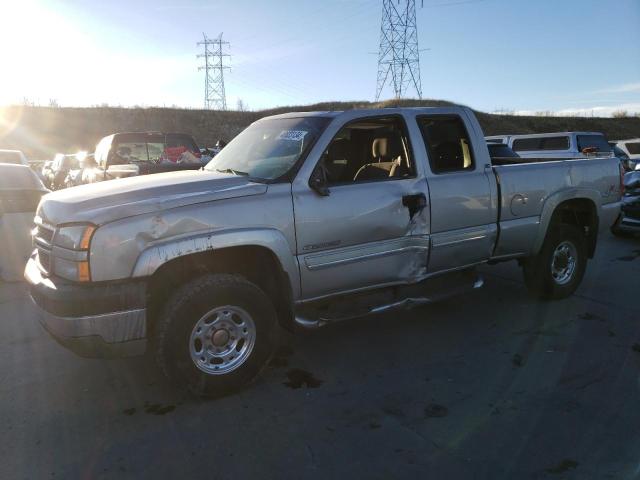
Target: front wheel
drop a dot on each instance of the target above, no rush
(215, 334)
(556, 272)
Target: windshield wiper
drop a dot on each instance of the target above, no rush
(230, 170)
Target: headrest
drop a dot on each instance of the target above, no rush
(380, 147)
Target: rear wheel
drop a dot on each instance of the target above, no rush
(556, 272)
(215, 334)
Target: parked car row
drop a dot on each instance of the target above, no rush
(128, 154)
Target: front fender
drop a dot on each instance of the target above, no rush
(155, 256)
(556, 199)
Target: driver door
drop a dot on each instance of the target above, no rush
(370, 228)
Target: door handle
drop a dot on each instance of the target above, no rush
(415, 203)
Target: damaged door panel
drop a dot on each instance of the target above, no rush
(372, 226)
(361, 241)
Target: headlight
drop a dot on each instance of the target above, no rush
(70, 257)
(75, 270)
(74, 237)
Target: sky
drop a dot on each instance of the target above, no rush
(566, 56)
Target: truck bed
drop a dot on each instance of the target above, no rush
(524, 199)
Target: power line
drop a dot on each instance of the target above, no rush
(398, 54)
(215, 97)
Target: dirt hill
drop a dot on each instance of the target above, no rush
(43, 131)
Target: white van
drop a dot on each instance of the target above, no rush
(561, 145)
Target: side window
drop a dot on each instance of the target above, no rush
(555, 143)
(447, 142)
(369, 150)
(526, 144)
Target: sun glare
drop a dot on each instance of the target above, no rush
(54, 50)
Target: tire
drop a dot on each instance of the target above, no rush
(208, 321)
(549, 275)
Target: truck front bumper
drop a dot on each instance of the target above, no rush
(102, 320)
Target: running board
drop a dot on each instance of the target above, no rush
(379, 301)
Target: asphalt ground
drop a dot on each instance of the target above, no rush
(489, 385)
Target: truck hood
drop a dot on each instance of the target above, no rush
(103, 202)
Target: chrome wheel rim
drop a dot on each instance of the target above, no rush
(563, 262)
(222, 340)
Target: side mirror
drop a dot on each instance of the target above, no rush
(318, 181)
(589, 150)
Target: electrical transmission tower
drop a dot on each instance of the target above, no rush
(214, 95)
(399, 56)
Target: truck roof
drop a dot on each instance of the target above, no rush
(367, 111)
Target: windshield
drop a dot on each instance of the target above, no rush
(269, 148)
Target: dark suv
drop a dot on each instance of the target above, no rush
(128, 154)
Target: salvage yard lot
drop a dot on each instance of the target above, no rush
(491, 385)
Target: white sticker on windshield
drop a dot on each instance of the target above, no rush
(293, 135)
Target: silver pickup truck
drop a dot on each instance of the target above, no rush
(302, 220)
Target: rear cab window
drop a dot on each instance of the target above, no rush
(501, 154)
(447, 142)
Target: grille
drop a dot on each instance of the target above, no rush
(44, 259)
(44, 233)
(43, 238)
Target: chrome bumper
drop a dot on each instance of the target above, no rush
(92, 321)
(117, 334)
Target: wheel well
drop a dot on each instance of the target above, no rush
(257, 264)
(582, 213)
